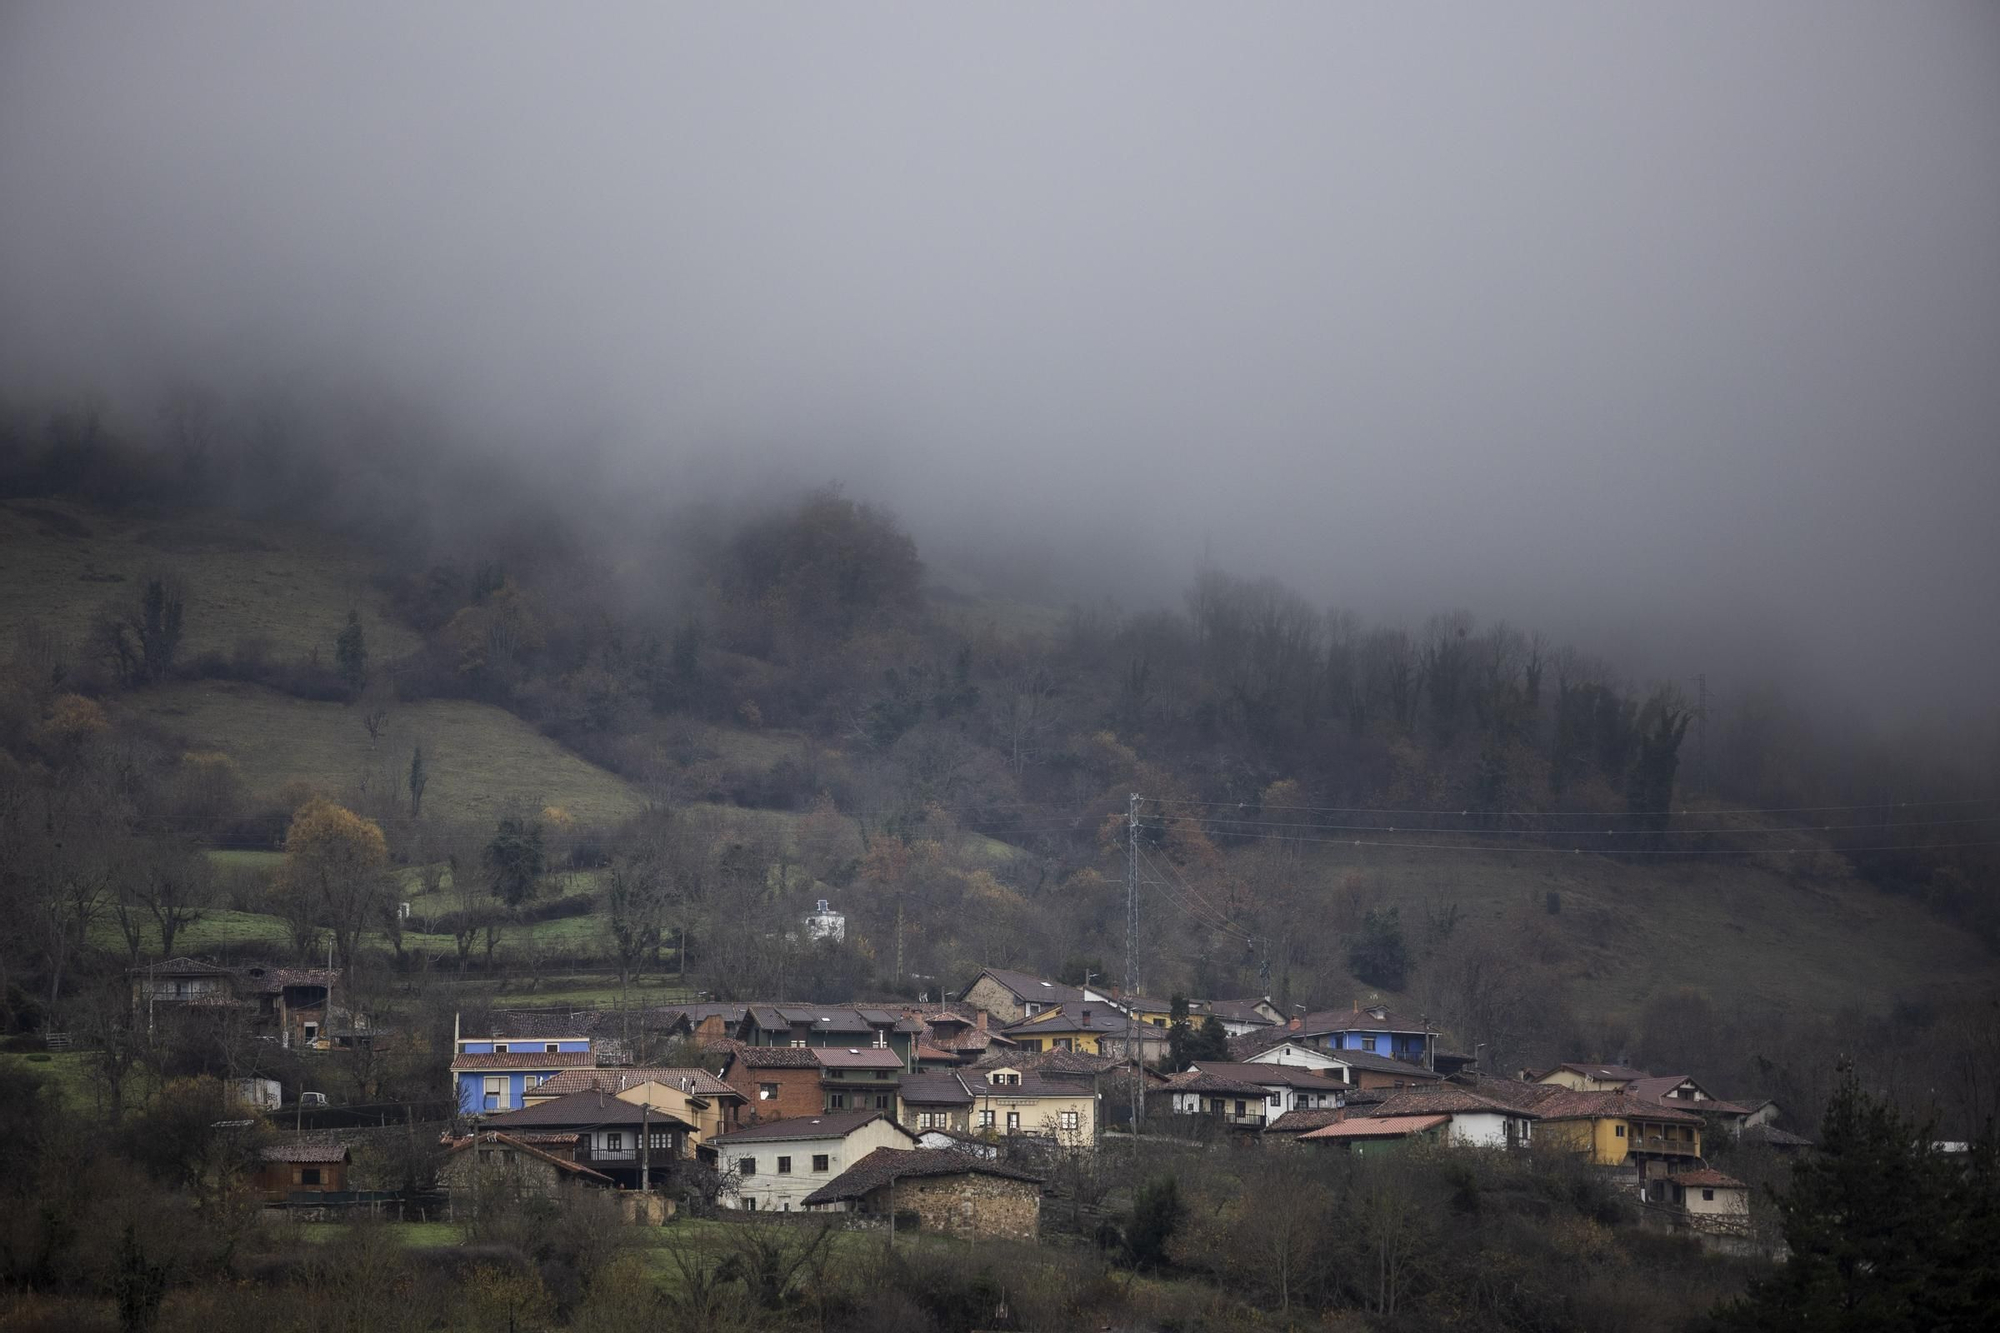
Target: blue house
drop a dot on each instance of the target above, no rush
(519, 1051)
(1372, 1029)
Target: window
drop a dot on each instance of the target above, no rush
(1157, 1022)
(767, 1092)
(1062, 1043)
(881, 1040)
(551, 1048)
(614, 1142)
(986, 1120)
(1367, 1043)
(784, 1166)
(1013, 1122)
(1031, 1009)
(746, 1166)
(1620, 1131)
(496, 1092)
(819, 1161)
(881, 1073)
(798, 1041)
(836, 1101)
(881, 1101)
(749, 1205)
(660, 1138)
(1708, 1196)
(310, 1176)
(499, 1047)
(1240, 1110)
(1069, 1121)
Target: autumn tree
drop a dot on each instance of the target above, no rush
(336, 858)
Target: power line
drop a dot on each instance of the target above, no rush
(1684, 813)
(1535, 832)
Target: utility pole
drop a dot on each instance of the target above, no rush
(646, 1157)
(1132, 955)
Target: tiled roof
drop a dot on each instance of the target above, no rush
(935, 1090)
(581, 1109)
(926, 1051)
(308, 1152)
(1027, 987)
(883, 1165)
(1269, 1076)
(1567, 1105)
(1511, 1090)
(1298, 1122)
(856, 1057)
(1360, 1019)
(540, 1024)
(524, 1060)
(838, 1125)
(521, 1143)
(1031, 1085)
(1094, 1016)
(1375, 1127)
(1707, 1178)
(700, 1082)
(827, 1018)
(180, 967)
(1194, 1080)
(1446, 1100)
(1239, 1011)
(271, 980)
(1603, 1073)
(774, 1057)
(1777, 1138)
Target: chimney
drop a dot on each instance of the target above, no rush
(1294, 1023)
(1086, 1015)
(979, 1017)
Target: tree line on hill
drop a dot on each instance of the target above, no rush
(904, 738)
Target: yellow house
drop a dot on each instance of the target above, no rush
(693, 1095)
(1613, 1128)
(1013, 1101)
(1091, 1027)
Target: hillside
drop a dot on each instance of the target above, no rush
(277, 582)
(1750, 939)
(482, 760)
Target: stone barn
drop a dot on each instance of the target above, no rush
(955, 1193)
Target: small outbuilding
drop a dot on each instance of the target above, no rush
(956, 1193)
(312, 1166)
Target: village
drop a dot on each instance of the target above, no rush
(952, 1115)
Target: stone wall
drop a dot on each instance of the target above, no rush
(988, 1207)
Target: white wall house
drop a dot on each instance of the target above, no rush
(772, 1167)
(1488, 1129)
(823, 923)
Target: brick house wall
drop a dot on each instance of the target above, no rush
(987, 1207)
(799, 1093)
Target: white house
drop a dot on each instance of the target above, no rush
(1476, 1121)
(1286, 1087)
(823, 923)
(773, 1166)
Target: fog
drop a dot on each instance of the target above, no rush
(1673, 332)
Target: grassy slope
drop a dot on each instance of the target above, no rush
(60, 562)
(482, 760)
(1741, 934)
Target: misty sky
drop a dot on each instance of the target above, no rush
(1673, 328)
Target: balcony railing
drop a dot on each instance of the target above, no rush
(1664, 1147)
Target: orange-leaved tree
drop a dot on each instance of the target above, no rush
(337, 857)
